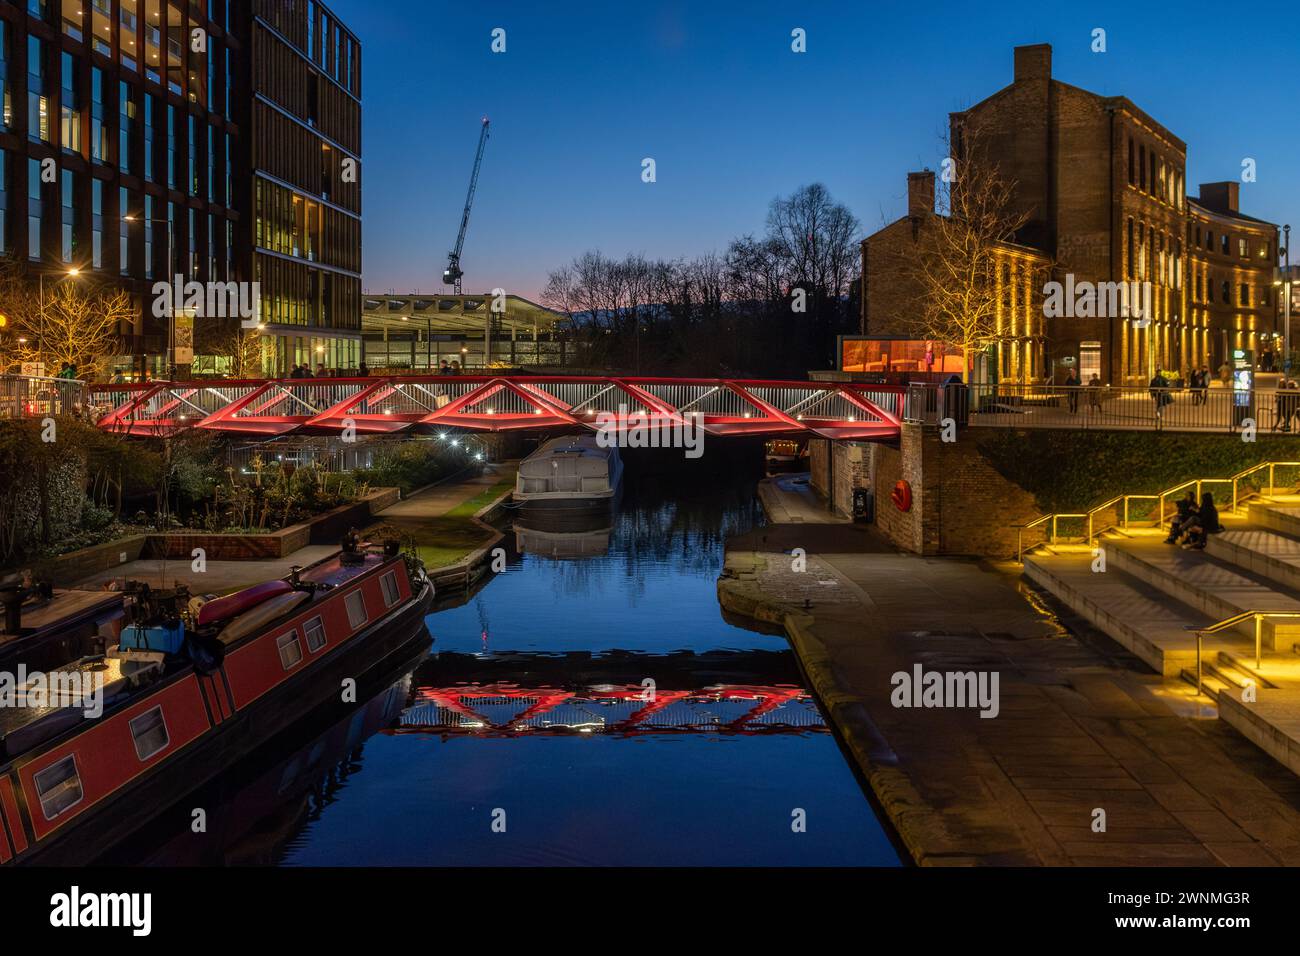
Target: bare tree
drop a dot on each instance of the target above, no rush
(241, 347)
(961, 248)
(66, 325)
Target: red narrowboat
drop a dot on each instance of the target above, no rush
(192, 687)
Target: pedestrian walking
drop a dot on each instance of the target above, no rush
(1072, 384)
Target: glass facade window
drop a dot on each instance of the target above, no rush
(6, 95)
(123, 231)
(153, 29)
(126, 125)
(101, 26)
(4, 201)
(170, 239)
(171, 147)
(72, 19)
(69, 107)
(148, 218)
(192, 151)
(97, 224)
(38, 104)
(129, 33)
(198, 68)
(176, 42)
(35, 209)
(68, 232)
(98, 131)
(148, 138)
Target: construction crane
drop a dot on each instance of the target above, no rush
(452, 275)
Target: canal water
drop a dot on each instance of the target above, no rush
(588, 706)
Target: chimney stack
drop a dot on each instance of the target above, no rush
(920, 193)
(1034, 62)
(1221, 197)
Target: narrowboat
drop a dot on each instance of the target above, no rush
(96, 747)
(573, 473)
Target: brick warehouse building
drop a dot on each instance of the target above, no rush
(1103, 187)
(219, 159)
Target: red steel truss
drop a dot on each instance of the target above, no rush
(377, 406)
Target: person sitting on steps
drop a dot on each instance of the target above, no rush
(1203, 524)
(1186, 510)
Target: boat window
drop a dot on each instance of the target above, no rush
(315, 631)
(149, 731)
(356, 605)
(59, 787)
(290, 650)
(389, 585)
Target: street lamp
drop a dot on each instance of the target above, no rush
(1286, 302)
(1283, 281)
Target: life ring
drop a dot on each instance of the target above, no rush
(902, 496)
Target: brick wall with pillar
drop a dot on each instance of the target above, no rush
(960, 504)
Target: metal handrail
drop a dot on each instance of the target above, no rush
(1259, 616)
(1161, 497)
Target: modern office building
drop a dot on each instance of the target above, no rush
(144, 139)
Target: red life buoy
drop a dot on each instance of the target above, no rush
(902, 496)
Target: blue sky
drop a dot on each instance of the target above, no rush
(733, 118)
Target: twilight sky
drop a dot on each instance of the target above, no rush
(732, 117)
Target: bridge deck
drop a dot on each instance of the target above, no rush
(718, 407)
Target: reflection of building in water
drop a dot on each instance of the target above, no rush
(564, 538)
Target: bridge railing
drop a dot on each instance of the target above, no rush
(25, 396)
(928, 404)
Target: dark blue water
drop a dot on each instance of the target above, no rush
(590, 705)
(703, 780)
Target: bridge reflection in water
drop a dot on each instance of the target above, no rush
(680, 706)
(515, 695)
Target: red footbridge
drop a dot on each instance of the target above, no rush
(425, 403)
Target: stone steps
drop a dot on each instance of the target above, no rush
(1137, 616)
(1152, 592)
(1212, 585)
(1262, 552)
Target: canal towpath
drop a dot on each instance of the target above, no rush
(1091, 759)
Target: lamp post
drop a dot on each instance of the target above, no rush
(171, 311)
(1286, 299)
